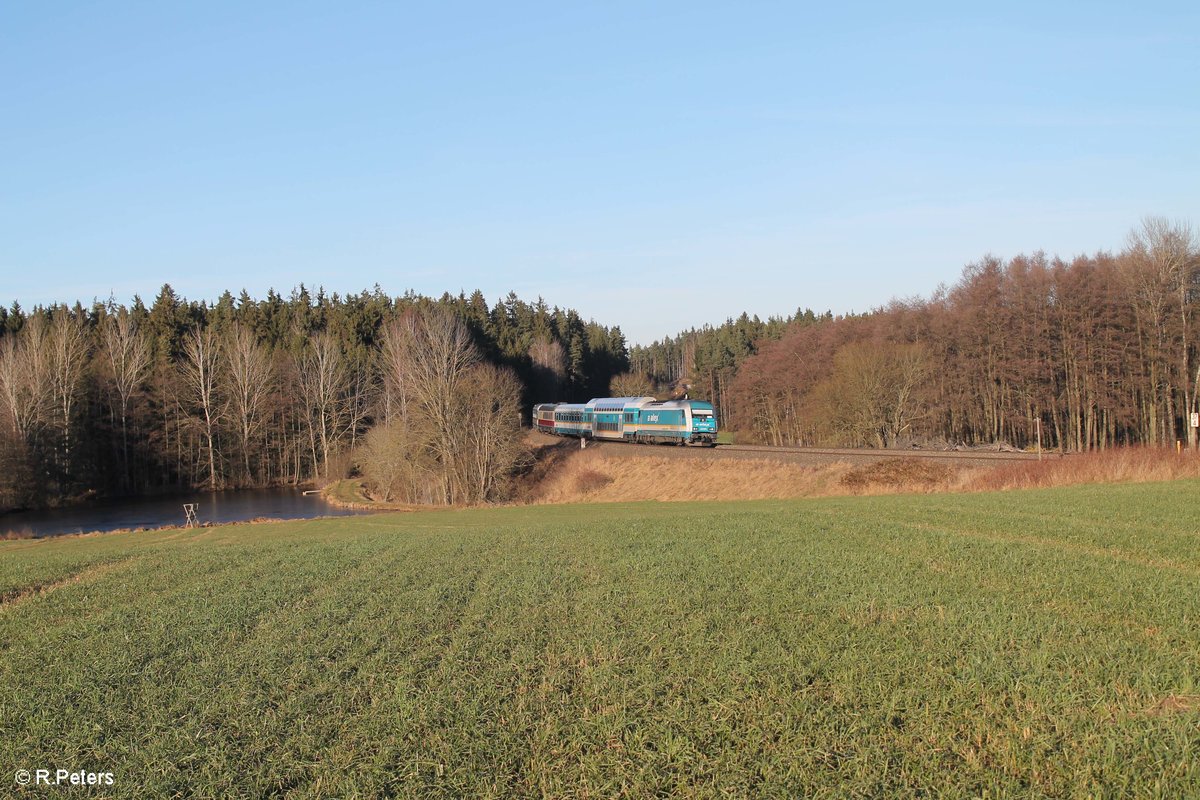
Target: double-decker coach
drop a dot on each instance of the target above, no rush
(631, 419)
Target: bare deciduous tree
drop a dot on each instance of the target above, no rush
(127, 357)
(632, 384)
(69, 349)
(396, 461)
(489, 415)
(25, 377)
(549, 361)
(249, 376)
(436, 351)
(870, 398)
(394, 365)
(324, 383)
(1164, 258)
(455, 421)
(201, 399)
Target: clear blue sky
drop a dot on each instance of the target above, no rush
(653, 165)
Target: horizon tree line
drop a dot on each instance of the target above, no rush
(117, 399)
(1090, 353)
(1095, 352)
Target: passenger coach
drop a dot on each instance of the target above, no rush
(631, 419)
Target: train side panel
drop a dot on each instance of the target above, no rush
(660, 424)
(608, 417)
(631, 419)
(572, 419)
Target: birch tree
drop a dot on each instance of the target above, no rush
(549, 360)
(69, 350)
(249, 379)
(25, 378)
(201, 402)
(126, 354)
(324, 382)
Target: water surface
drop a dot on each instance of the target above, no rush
(157, 512)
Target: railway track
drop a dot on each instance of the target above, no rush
(988, 455)
(815, 455)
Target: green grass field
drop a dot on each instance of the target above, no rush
(1042, 643)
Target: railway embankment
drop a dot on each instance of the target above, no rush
(617, 472)
(561, 472)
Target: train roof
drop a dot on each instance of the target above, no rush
(679, 404)
(628, 402)
(612, 401)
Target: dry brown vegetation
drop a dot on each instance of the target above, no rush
(1087, 353)
(1174, 704)
(590, 476)
(450, 432)
(904, 473)
(1119, 465)
(12, 536)
(589, 481)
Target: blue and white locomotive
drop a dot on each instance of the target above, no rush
(631, 419)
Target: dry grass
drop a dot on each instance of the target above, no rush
(589, 481)
(1119, 465)
(550, 455)
(350, 493)
(574, 476)
(1175, 704)
(588, 475)
(12, 536)
(905, 474)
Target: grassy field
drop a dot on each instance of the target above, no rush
(1038, 643)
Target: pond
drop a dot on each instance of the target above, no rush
(161, 511)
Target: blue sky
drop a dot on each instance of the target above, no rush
(653, 165)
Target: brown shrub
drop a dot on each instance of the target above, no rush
(899, 473)
(589, 480)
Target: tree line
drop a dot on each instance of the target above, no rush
(117, 399)
(1078, 354)
(1087, 353)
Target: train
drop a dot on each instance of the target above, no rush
(631, 419)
